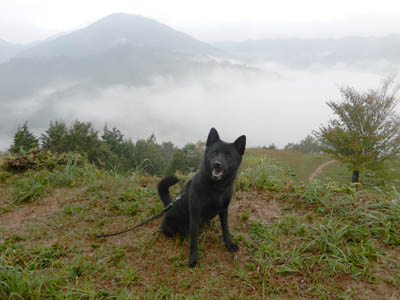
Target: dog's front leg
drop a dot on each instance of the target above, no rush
(194, 233)
(223, 216)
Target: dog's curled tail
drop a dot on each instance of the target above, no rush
(163, 188)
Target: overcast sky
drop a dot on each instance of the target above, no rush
(23, 21)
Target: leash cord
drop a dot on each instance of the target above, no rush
(144, 222)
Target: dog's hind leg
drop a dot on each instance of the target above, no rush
(171, 228)
(167, 230)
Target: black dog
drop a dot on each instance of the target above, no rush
(207, 194)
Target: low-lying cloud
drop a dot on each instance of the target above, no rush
(276, 105)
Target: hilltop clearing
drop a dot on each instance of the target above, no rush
(315, 240)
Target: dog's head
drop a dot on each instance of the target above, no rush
(221, 159)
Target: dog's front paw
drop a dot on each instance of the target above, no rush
(232, 247)
(192, 262)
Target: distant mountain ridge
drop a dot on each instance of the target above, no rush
(304, 52)
(8, 50)
(123, 49)
(116, 30)
(125, 65)
(119, 49)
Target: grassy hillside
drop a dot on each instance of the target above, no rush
(316, 240)
(304, 164)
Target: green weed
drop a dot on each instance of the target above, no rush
(30, 188)
(266, 175)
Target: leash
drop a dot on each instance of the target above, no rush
(168, 207)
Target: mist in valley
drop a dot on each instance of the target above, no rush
(273, 104)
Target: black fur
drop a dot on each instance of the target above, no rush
(206, 195)
(163, 188)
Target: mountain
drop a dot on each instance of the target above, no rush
(124, 65)
(304, 52)
(118, 30)
(119, 49)
(8, 50)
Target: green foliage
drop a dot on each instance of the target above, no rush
(30, 188)
(24, 140)
(165, 158)
(343, 236)
(39, 160)
(111, 151)
(186, 159)
(381, 219)
(122, 156)
(16, 282)
(55, 139)
(81, 137)
(266, 175)
(20, 271)
(46, 170)
(148, 155)
(151, 156)
(307, 145)
(367, 129)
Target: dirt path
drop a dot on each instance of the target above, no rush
(28, 214)
(319, 169)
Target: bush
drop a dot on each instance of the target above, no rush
(39, 160)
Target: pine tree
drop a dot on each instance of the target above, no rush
(24, 140)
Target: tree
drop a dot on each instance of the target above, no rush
(366, 131)
(185, 160)
(122, 150)
(308, 145)
(55, 138)
(150, 157)
(81, 137)
(24, 140)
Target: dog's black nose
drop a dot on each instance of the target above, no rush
(217, 164)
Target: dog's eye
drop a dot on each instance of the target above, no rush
(228, 155)
(214, 153)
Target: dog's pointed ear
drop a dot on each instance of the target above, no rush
(213, 137)
(240, 144)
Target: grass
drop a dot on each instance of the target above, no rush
(302, 164)
(324, 240)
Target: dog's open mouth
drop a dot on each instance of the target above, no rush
(217, 175)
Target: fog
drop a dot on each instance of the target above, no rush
(276, 105)
(24, 21)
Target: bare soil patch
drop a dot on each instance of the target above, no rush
(261, 207)
(32, 213)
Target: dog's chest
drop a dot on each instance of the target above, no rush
(215, 204)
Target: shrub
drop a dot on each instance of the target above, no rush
(39, 160)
